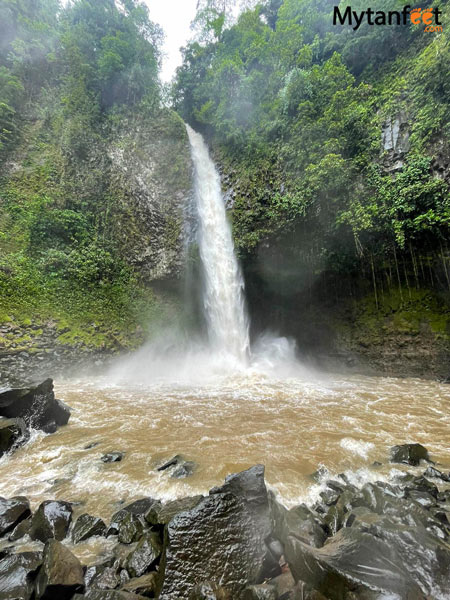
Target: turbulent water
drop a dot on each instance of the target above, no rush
(292, 424)
(221, 406)
(223, 283)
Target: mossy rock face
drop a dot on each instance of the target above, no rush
(151, 179)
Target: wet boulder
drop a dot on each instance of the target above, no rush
(301, 522)
(36, 405)
(61, 575)
(127, 525)
(103, 576)
(51, 520)
(223, 538)
(13, 432)
(435, 473)
(428, 555)
(409, 454)
(130, 529)
(13, 511)
(87, 526)
(352, 561)
(20, 530)
(145, 556)
(17, 575)
(140, 507)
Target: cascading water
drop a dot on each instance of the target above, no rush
(223, 294)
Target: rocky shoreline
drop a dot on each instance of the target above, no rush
(377, 541)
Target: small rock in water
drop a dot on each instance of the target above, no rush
(409, 454)
(51, 520)
(184, 470)
(91, 445)
(175, 460)
(111, 457)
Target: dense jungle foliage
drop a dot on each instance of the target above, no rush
(301, 112)
(68, 76)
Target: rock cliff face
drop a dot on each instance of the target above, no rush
(150, 168)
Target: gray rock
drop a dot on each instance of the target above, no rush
(17, 574)
(51, 520)
(61, 575)
(352, 561)
(260, 592)
(235, 517)
(161, 514)
(145, 556)
(409, 454)
(130, 529)
(20, 530)
(87, 526)
(209, 591)
(107, 595)
(13, 432)
(145, 585)
(13, 511)
(36, 405)
(111, 457)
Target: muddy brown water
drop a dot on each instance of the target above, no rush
(292, 426)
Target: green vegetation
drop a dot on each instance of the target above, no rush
(73, 81)
(295, 107)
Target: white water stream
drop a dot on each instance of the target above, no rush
(223, 293)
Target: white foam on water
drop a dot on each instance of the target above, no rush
(358, 447)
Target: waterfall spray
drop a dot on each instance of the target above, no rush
(223, 293)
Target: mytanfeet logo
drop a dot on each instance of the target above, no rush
(430, 17)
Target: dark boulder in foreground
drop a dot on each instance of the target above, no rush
(51, 520)
(13, 511)
(409, 454)
(13, 432)
(61, 575)
(223, 538)
(352, 561)
(17, 575)
(36, 405)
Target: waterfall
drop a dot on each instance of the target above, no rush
(223, 293)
